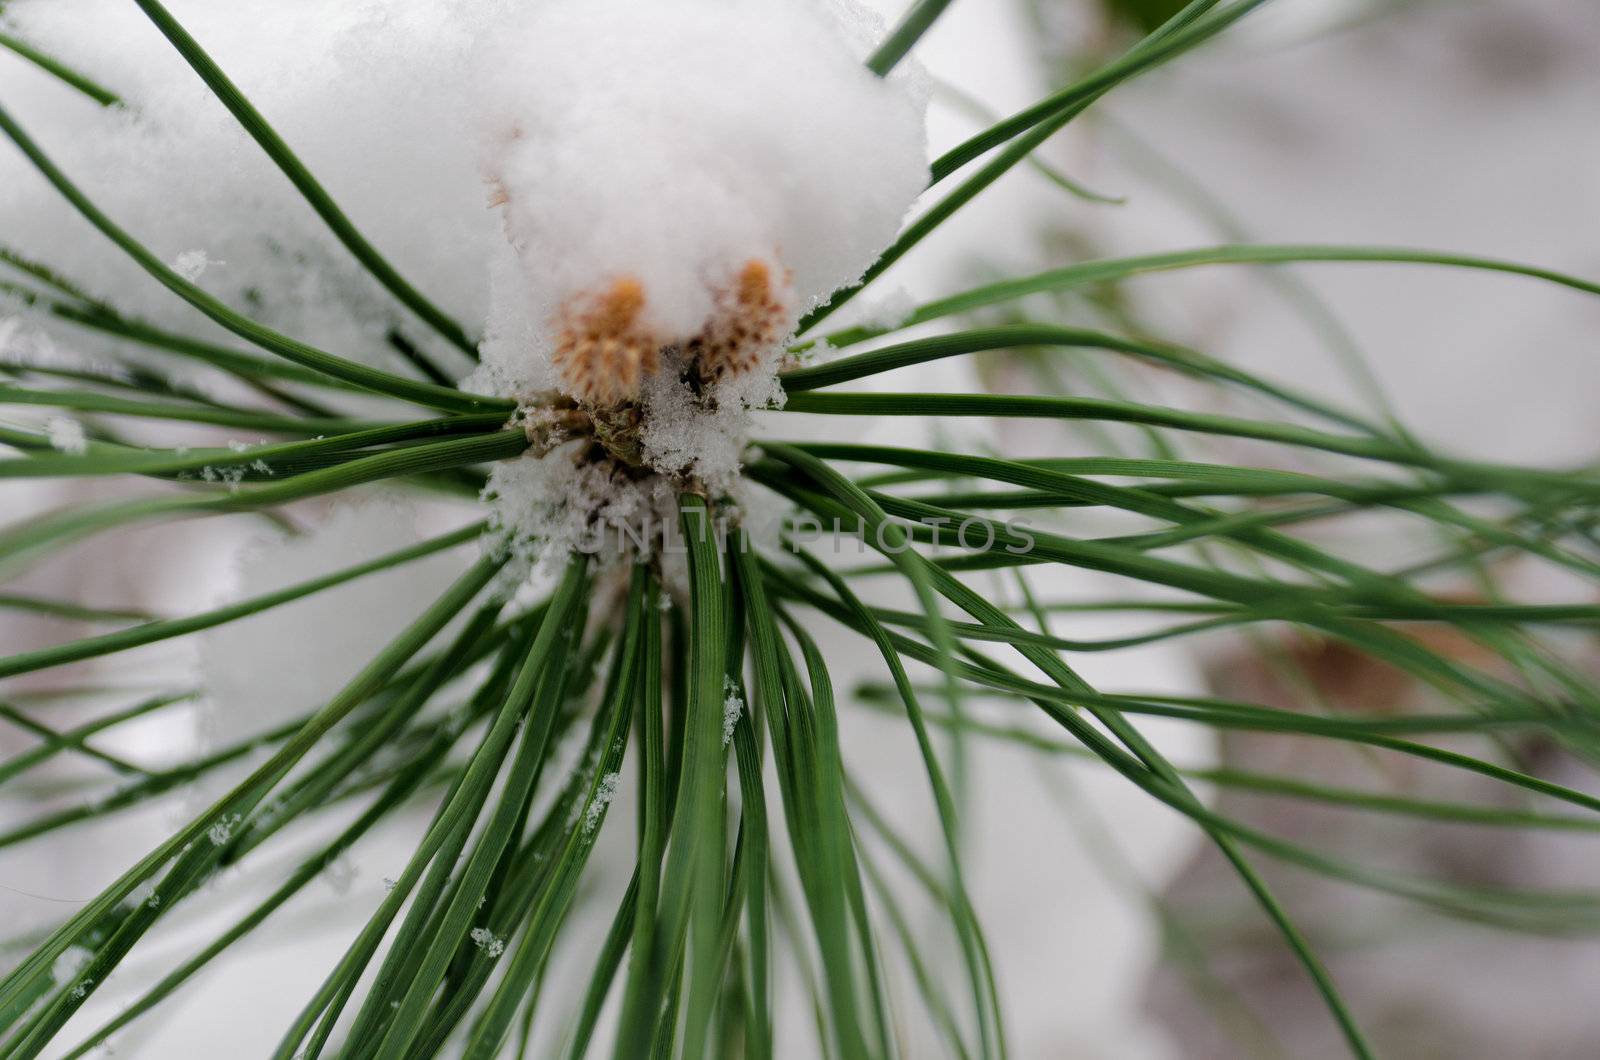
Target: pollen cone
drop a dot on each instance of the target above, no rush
(603, 350)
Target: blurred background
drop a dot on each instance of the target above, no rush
(1465, 125)
(1456, 125)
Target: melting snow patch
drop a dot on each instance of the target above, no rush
(69, 963)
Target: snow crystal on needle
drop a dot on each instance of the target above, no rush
(222, 829)
(732, 707)
(66, 435)
(192, 264)
(486, 940)
(603, 796)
